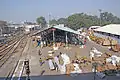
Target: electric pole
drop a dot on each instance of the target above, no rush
(100, 15)
(1, 31)
(49, 20)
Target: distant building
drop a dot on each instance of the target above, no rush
(9, 28)
(3, 23)
(29, 23)
(29, 28)
(3, 27)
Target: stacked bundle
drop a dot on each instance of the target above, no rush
(113, 59)
(116, 48)
(96, 39)
(92, 37)
(69, 68)
(100, 68)
(106, 42)
(99, 40)
(114, 42)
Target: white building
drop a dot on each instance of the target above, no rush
(29, 27)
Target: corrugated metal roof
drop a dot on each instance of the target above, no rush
(112, 28)
(60, 27)
(65, 29)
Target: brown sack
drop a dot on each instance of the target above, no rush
(114, 42)
(69, 68)
(106, 42)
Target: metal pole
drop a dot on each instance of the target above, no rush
(66, 38)
(49, 20)
(94, 73)
(53, 36)
(28, 77)
(1, 31)
(100, 15)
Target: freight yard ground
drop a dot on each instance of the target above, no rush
(36, 69)
(31, 52)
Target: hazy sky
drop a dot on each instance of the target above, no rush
(21, 10)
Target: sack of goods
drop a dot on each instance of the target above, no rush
(116, 48)
(55, 48)
(66, 59)
(114, 42)
(96, 52)
(106, 42)
(69, 68)
(113, 59)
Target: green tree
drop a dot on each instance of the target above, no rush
(109, 18)
(53, 22)
(62, 21)
(76, 21)
(79, 20)
(41, 21)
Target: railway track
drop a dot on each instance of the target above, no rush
(12, 71)
(6, 53)
(5, 46)
(14, 49)
(10, 42)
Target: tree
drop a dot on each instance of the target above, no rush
(76, 21)
(62, 21)
(109, 18)
(41, 21)
(53, 22)
(79, 20)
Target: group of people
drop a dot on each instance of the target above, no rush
(40, 43)
(63, 64)
(58, 62)
(54, 63)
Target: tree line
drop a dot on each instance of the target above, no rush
(79, 20)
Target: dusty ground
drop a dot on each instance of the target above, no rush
(36, 69)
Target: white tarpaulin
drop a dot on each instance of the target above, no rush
(95, 52)
(113, 59)
(66, 60)
(51, 66)
(76, 68)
